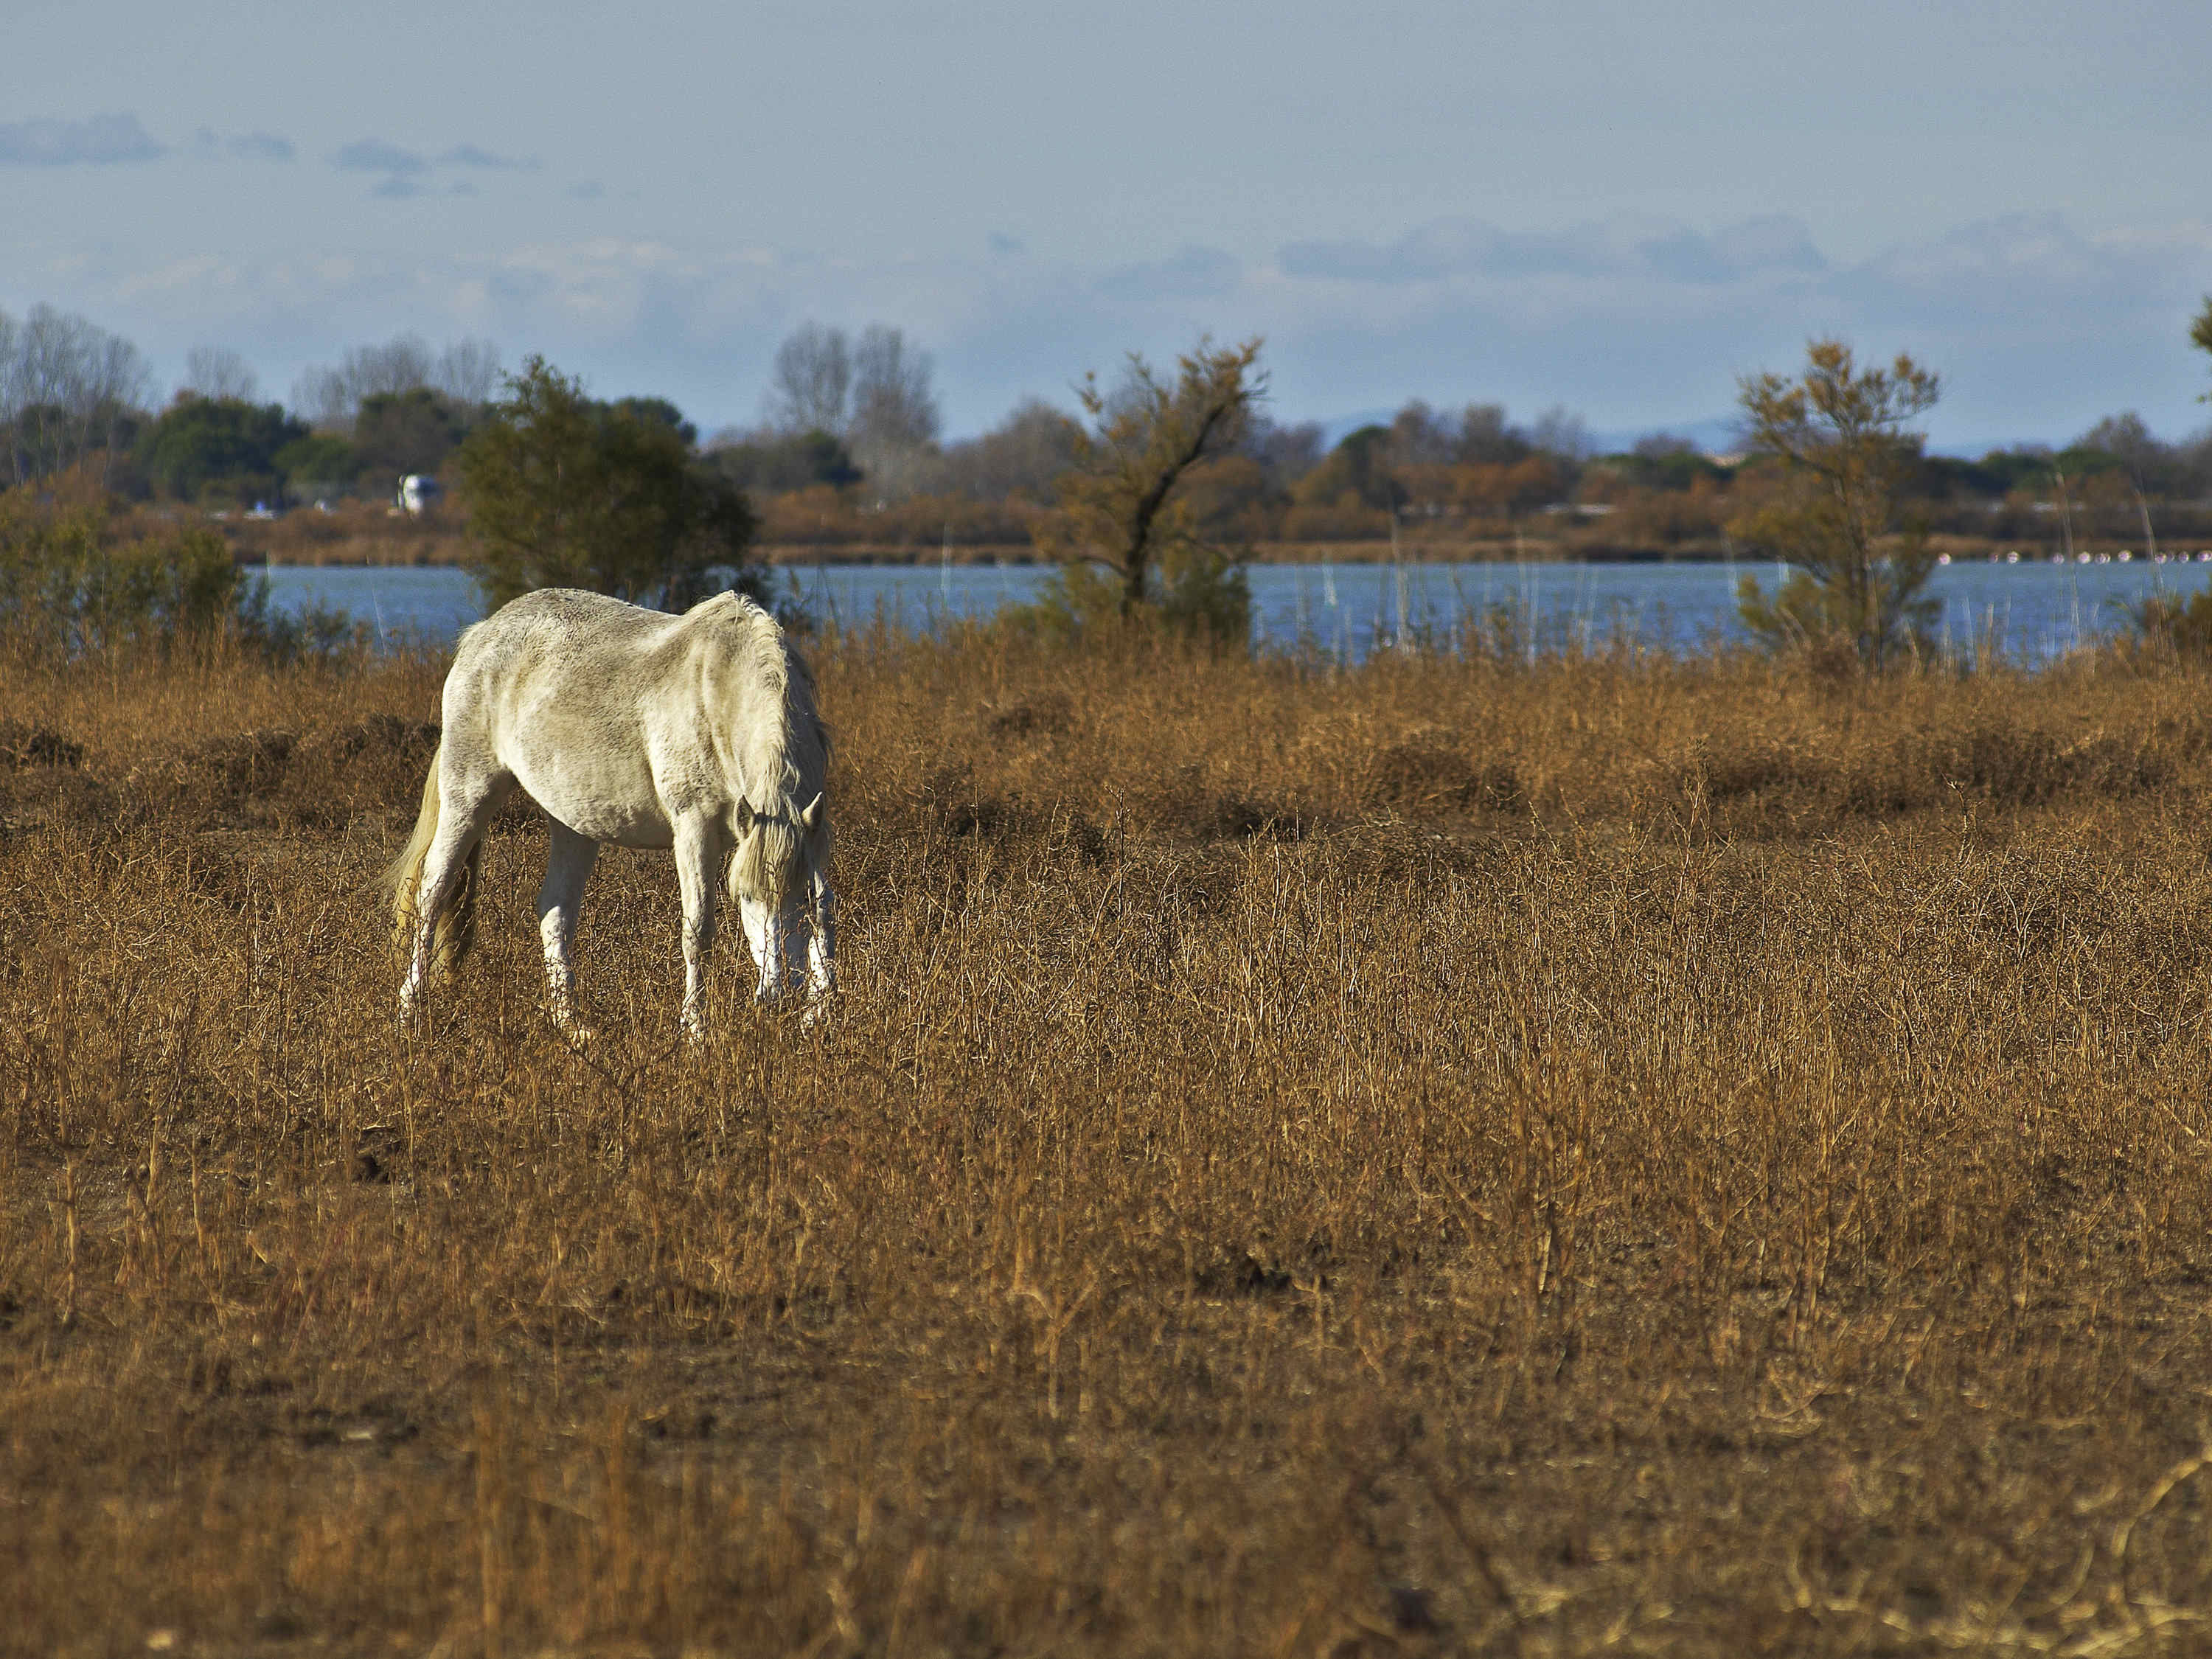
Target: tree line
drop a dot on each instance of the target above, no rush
(849, 448)
(1149, 497)
(73, 396)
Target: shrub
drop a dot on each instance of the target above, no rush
(71, 586)
(68, 586)
(2167, 623)
(1197, 591)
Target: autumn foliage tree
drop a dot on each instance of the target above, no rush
(1837, 431)
(1123, 527)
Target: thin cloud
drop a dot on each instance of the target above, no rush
(586, 190)
(2032, 262)
(377, 156)
(210, 145)
(1196, 273)
(1449, 249)
(259, 147)
(98, 141)
(473, 156)
(2037, 326)
(396, 188)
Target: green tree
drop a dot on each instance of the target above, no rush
(773, 461)
(397, 432)
(1358, 468)
(1126, 538)
(1837, 430)
(71, 584)
(563, 491)
(661, 409)
(318, 461)
(201, 444)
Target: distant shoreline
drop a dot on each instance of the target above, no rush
(416, 554)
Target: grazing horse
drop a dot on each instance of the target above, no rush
(695, 733)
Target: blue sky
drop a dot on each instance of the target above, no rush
(1616, 207)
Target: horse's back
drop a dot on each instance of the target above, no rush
(557, 628)
(589, 649)
(614, 717)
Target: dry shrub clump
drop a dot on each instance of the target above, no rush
(1446, 1158)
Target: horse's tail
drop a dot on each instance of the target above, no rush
(457, 922)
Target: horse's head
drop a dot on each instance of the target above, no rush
(773, 878)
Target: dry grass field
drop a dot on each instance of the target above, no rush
(1453, 1157)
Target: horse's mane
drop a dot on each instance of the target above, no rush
(776, 737)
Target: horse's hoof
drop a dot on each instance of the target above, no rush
(574, 1031)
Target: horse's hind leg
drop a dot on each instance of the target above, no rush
(559, 900)
(466, 806)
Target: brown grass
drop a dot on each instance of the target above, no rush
(1446, 1158)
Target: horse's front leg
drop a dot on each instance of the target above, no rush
(698, 851)
(821, 950)
(766, 935)
(568, 863)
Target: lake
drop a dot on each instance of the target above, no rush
(2034, 610)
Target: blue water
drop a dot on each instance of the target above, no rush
(2031, 611)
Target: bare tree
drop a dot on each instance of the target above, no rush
(319, 397)
(66, 387)
(1482, 435)
(1562, 434)
(2152, 468)
(401, 364)
(11, 390)
(468, 372)
(1421, 437)
(813, 382)
(1487, 437)
(1286, 452)
(219, 371)
(119, 382)
(1024, 454)
(331, 397)
(874, 397)
(893, 406)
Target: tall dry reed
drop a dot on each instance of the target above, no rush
(1448, 1157)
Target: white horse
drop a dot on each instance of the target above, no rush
(695, 733)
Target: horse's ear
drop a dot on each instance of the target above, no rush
(812, 814)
